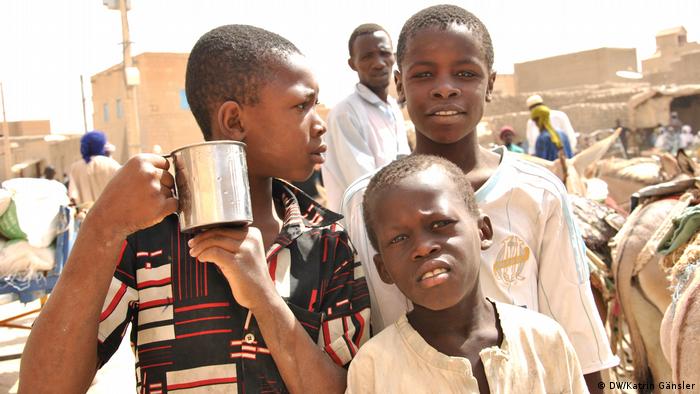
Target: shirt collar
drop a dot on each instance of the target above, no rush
(369, 96)
(301, 212)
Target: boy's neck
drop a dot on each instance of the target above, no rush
(474, 160)
(266, 216)
(460, 331)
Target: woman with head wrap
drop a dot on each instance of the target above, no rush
(89, 176)
(551, 144)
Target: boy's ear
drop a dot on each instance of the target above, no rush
(399, 87)
(489, 88)
(485, 231)
(381, 269)
(229, 121)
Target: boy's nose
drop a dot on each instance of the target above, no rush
(318, 128)
(445, 90)
(425, 248)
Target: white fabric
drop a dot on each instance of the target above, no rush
(535, 357)
(537, 258)
(87, 180)
(560, 122)
(37, 203)
(364, 133)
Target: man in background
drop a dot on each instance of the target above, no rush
(366, 130)
(89, 176)
(558, 119)
(507, 134)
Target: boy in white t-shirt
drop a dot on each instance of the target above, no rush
(422, 218)
(445, 76)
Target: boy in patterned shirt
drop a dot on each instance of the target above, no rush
(227, 310)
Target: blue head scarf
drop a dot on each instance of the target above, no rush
(92, 144)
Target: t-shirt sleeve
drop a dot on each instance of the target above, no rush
(344, 301)
(119, 306)
(565, 292)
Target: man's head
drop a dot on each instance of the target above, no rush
(92, 143)
(371, 56)
(507, 134)
(49, 172)
(540, 115)
(445, 58)
(533, 101)
(247, 84)
(421, 217)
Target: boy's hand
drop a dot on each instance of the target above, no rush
(138, 196)
(240, 255)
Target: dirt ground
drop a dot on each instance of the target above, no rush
(117, 376)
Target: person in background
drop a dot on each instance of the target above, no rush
(669, 138)
(551, 144)
(89, 176)
(366, 130)
(687, 137)
(507, 134)
(49, 173)
(559, 120)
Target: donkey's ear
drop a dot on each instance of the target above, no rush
(686, 163)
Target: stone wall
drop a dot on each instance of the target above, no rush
(590, 107)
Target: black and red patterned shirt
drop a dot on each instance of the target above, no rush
(189, 333)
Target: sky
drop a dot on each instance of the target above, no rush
(45, 45)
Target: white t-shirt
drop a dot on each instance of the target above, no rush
(364, 133)
(537, 259)
(88, 180)
(560, 122)
(534, 358)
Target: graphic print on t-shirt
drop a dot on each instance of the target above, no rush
(510, 261)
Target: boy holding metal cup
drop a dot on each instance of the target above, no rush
(230, 309)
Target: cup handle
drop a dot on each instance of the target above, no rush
(171, 160)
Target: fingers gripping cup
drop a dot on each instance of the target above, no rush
(211, 183)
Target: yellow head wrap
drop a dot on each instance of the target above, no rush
(540, 115)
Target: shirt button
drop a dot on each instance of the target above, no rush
(249, 338)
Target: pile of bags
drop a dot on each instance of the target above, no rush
(29, 224)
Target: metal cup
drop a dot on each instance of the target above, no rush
(211, 183)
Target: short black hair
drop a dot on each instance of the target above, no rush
(401, 169)
(231, 62)
(365, 28)
(441, 17)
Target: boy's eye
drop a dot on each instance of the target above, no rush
(423, 74)
(467, 74)
(440, 224)
(306, 105)
(398, 239)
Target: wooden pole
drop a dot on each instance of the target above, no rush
(82, 93)
(133, 130)
(6, 138)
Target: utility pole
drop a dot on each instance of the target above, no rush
(82, 93)
(133, 128)
(6, 138)
(131, 80)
